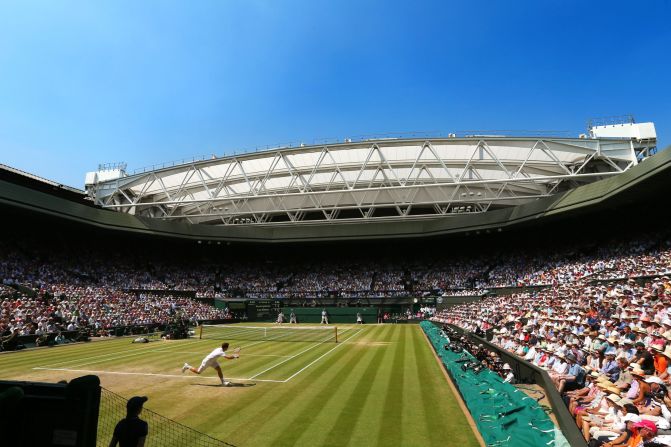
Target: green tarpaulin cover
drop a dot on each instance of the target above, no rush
(504, 415)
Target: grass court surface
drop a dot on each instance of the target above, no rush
(381, 385)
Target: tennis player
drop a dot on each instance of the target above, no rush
(211, 360)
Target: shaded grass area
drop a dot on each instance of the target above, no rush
(380, 386)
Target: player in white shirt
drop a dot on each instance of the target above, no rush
(211, 360)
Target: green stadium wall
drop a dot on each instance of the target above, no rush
(335, 314)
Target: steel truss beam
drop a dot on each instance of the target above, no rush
(382, 179)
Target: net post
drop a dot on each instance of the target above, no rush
(200, 331)
(335, 328)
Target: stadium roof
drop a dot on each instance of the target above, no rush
(366, 181)
(8, 170)
(644, 185)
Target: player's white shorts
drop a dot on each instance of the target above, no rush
(212, 363)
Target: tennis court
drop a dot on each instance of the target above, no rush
(379, 385)
(269, 354)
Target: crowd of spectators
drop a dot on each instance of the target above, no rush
(606, 260)
(365, 277)
(452, 277)
(60, 288)
(61, 308)
(602, 330)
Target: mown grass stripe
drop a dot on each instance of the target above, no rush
(340, 370)
(326, 384)
(316, 433)
(413, 408)
(342, 430)
(366, 429)
(432, 420)
(390, 430)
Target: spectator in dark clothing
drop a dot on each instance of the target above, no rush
(644, 359)
(131, 431)
(10, 342)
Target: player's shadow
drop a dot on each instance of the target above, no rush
(232, 385)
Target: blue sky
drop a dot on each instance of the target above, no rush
(145, 82)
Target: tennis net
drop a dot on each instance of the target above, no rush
(270, 333)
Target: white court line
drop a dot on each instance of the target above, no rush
(232, 337)
(146, 348)
(203, 353)
(284, 361)
(114, 355)
(321, 356)
(243, 329)
(253, 378)
(133, 354)
(296, 355)
(149, 374)
(257, 343)
(169, 348)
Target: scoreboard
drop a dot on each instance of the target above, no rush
(263, 309)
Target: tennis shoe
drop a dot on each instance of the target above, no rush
(225, 383)
(185, 367)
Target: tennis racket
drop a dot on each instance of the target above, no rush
(236, 352)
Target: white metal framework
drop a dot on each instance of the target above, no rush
(369, 180)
